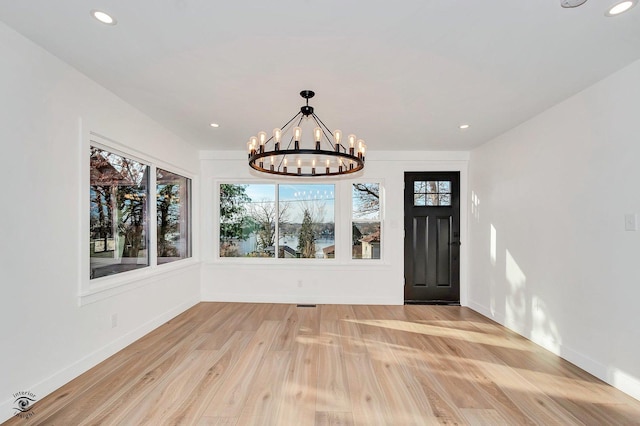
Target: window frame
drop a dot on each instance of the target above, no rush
(92, 290)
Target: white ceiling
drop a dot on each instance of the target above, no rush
(402, 75)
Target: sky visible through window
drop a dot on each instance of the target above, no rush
(297, 195)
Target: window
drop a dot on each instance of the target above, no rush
(247, 220)
(120, 221)
(119, 234)
(365, 221)
(277, 221)
(306, 223)
(432, 193)
(173, 202)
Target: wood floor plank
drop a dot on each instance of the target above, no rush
(123, 401)
(484, 417)
(173, 390)
(217, 371)
(229, 400)
(298, 400)
(217, 421)
(286, 339)
(325, 418)
(333, 387)
(262, 404)
(404, 398)
(279, 364)
(367, 397)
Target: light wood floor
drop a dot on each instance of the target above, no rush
(266, 364)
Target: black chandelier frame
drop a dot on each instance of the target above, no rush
(268, 157)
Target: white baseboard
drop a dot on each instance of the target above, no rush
(295, 299)
(611, 375)
(55, 381)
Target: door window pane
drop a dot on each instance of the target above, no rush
(118, 194)
(432, 193)
(173, 205)
(444, 187)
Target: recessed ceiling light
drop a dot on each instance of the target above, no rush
(620, 7)
(103, 17)
(572, 3)
(464, 126)
(214, 125)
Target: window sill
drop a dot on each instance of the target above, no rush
(322, 264)
(102, 288)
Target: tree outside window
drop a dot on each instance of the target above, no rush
(173, 202)
(118, 222)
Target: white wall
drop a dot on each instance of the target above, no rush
(320, 281)
(550, 255)
(47, 338)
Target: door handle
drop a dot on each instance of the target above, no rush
(455, 243)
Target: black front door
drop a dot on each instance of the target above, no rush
(432, 237)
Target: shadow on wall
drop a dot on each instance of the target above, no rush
(512, 298)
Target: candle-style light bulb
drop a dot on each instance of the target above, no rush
(352, 142)
(328, 169)
(337, 136)
(262, 137)
(360, 148)
(297, 134)
(317, 136)
(277, 135)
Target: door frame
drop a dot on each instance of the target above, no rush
(465, 216)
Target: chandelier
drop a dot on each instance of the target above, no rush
(325, 156)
